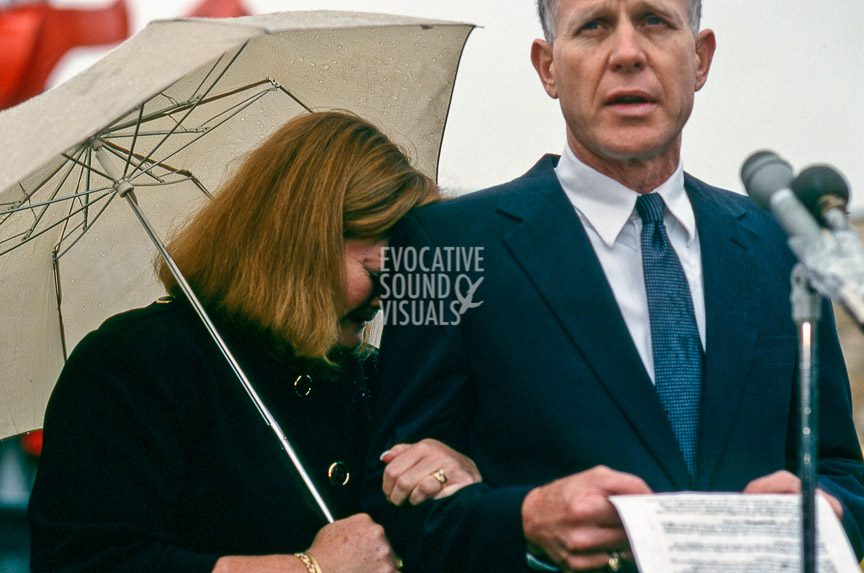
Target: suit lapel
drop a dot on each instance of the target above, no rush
(555, 253)
(731, 296)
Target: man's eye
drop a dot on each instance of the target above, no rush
(653, 20)
(591, 26)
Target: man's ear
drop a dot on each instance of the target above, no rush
(541, 57)
(706, 44)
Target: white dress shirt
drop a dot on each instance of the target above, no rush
(607, 210)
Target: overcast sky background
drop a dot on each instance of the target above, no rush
(786, 77)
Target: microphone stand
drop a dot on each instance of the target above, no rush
(807, 311)
(831, 263)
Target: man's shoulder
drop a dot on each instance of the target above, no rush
(731, 213)
(540, 178)
(718, 193)
(737, 203)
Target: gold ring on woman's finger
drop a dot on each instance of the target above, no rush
(615, 561)
(440, 476)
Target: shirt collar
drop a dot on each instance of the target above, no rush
(607, 205)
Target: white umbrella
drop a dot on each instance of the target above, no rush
(166, 113)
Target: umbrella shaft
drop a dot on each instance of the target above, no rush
(129, 195)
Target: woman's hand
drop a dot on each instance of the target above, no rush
(353, 545)
(425, 470)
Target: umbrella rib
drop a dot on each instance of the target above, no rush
(29, 195)
(194, 104)
(66, 236)
(237, 109)
(53, 194)
(186, 175)
(87, 187)
(201, 187)
(58, 292)
(223, 95)
(84, 232)
(31, 237)
(155, 133)
(134, 140)
(167, 111)
(12, 238)
(112, 127)
(58, 200)
(225, 70)
(123, 153)
(292, 96)
(7, 212)
(203, 131)
(87, 166)
(239, 106)
(71, 207)
(210, 72)
(16, 203)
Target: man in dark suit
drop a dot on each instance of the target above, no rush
(629, 330)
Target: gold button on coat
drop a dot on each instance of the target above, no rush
(303, 385)
(338, 473)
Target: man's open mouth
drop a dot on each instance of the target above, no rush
(630, 99)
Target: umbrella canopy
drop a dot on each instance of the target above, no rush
(173, 108)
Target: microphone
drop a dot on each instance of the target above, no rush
(825, 193)
(767, 179)
(834, 261)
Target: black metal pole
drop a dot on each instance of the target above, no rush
(126, 190)
(806, 311)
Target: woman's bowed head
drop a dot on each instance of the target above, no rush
(292, 242)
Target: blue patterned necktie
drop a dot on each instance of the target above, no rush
(675, 341)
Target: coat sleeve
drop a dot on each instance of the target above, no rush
(114, 457)
(425, 392)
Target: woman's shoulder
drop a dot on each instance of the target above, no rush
(153, 315)
(163, 323)
(148, 359)
(159, 342)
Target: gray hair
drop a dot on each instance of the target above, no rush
(546, 9)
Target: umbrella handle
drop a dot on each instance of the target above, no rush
(126, 190)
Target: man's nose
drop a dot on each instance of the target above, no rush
(628, 53)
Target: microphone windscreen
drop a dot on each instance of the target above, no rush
(764, 173)
(819, 181)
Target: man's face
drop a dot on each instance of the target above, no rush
(625, 72)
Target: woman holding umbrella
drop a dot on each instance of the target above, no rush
(155, 459)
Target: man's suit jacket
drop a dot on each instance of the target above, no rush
(542, 380)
